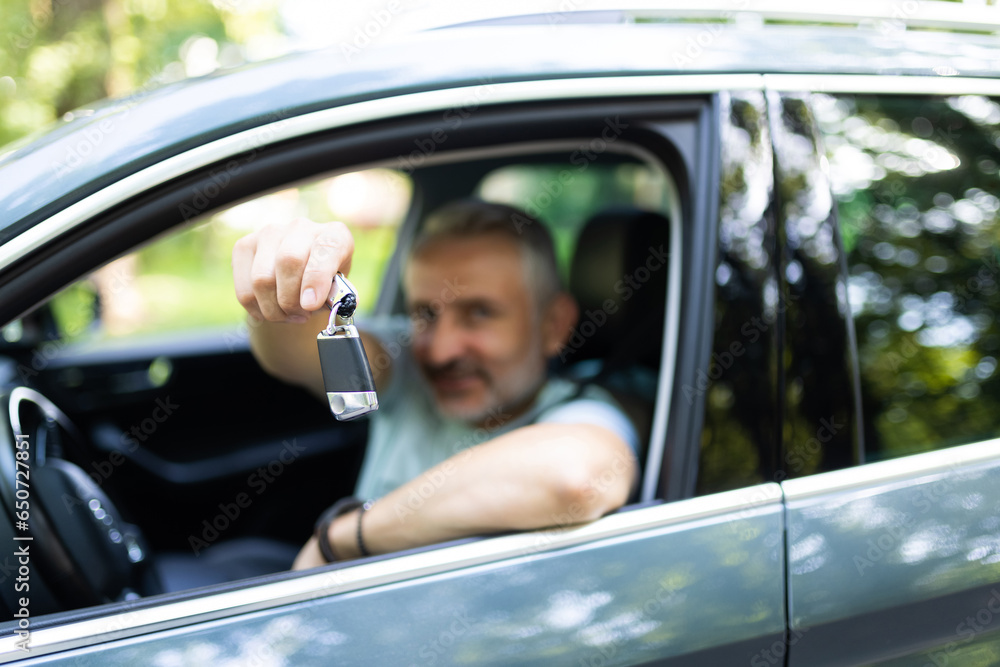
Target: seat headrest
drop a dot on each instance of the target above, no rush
(619, 278)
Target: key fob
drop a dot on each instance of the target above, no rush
(347, 375)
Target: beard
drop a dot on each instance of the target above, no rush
(484, 396)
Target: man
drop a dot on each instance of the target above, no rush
(487, 312)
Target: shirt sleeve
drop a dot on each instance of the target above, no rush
(595, 412)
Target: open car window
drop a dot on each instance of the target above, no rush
(183, 281)
(207, 455)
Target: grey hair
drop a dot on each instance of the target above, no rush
(473, 217)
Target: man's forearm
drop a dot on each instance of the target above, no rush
(537, 476)
(288, 351)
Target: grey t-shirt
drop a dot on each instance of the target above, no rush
(408, 436)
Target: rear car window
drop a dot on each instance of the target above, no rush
(916, 180)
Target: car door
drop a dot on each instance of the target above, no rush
(896, 561)
(695, 581)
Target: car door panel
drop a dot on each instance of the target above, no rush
(897, 558)
(691, 582)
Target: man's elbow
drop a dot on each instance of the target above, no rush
(588, 492)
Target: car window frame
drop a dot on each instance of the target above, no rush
(116, 222)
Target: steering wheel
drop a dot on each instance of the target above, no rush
(79, 550)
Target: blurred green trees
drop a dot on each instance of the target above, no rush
(57, 55)
(916, 181)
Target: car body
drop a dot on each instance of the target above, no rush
(808, 496)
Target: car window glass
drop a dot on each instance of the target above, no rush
(184, 281)
(738, 387)
(916, 182)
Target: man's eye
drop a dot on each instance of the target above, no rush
(480, 312)
(423, 313)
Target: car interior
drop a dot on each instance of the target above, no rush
(165, 459)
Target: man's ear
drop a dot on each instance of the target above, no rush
(561, 316)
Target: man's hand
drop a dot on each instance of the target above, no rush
(309, 556)
(283, 273)
(343, 538)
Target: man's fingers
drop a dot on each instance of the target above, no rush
(243, 253)
(290, 260)
(284, 272)
(330, 252)
(263, 276)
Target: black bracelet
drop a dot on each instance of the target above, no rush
(367, 505)
(322, 529)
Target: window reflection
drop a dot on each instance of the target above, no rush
(916, 182)
(739, 386)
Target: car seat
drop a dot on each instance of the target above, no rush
(619, 278)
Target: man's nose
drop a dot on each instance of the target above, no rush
(446, 341)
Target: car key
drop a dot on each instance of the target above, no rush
(347, 375)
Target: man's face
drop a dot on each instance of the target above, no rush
(478, 337)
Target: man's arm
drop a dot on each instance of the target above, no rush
(533, 477)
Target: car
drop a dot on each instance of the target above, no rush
(781, 225)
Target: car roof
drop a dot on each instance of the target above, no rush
(113, 139)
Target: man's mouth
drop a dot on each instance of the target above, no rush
(453, 384)
(455, 380)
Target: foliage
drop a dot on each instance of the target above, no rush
(916, 180)
(59, 55)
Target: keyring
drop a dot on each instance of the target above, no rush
(343, 300)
